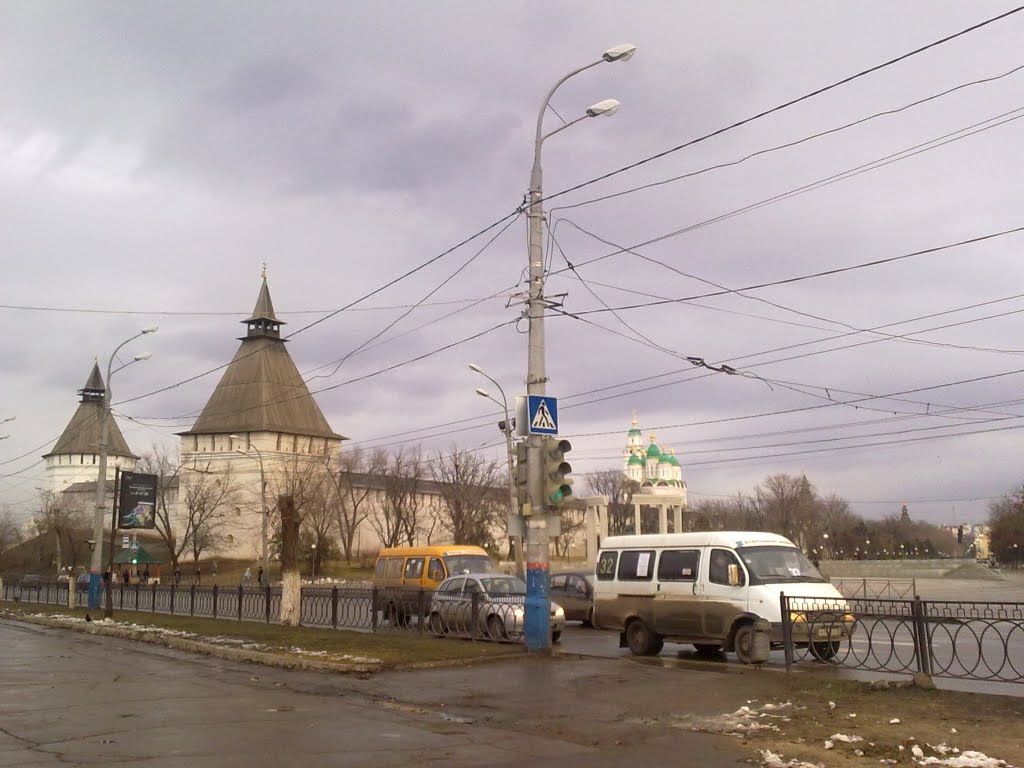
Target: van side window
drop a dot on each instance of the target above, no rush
(606, 566)
(436, 571)
(414, 568)
(378, 571)
(636, 565)
(718, 569)
(678, 565)
(394, 567)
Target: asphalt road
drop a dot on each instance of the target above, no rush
(84, 700)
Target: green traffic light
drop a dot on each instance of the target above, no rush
(557, 483)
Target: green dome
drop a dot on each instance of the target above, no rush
(634, 431)
(653, 451)
(673, 460)
(634, 459)
(665, 459)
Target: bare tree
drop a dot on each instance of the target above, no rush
(167, 469)
(64, 520)
(205, 497)
(473, 493)
(353, 488)
(619, 490)
(398, 516)
(10, 531)
(1006, 516)
(572, 521)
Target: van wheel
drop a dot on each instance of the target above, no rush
(743, 642)
(436, 625)
(641, 640)
(556, 636)
(588, 622)
(825, 651)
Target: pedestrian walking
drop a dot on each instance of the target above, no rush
(247, 577)
(259, 576)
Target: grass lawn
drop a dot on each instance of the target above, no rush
(341, 646)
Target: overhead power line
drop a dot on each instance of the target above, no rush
(787, 104)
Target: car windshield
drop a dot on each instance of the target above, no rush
(779, 565)
(469, 564)
(504, 585)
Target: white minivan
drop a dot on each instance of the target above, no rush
(708, 589)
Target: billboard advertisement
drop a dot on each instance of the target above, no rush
(137, 501)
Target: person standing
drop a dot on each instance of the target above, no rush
(259, 576)
(247, 577)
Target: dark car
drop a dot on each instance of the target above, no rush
(575, 593)
(31, 581)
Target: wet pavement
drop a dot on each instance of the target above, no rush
(73, 699)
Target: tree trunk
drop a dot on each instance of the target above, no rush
(291, 586)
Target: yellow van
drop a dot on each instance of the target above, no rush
(402, 572)
(426, 567)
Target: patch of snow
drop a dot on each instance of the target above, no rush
(831, 705)
(743, 721)
(775, 760)
(852, 714)
(967, 759)
(918, 752)
(859, 752)
(829, 744)
(894, 721)
(844, 737)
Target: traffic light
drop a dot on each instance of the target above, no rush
(135, 561)
(522, 478)
(557, 483)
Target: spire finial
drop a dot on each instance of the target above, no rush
(652, 437)
(634, 417)
(263, 274)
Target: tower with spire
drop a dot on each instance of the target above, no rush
(74, 458)
(263, 402)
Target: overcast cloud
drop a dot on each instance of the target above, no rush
(153, 156)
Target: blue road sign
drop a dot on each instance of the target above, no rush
(543, 415)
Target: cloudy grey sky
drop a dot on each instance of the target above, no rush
(154, 155)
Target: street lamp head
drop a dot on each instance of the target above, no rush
(622, 52)
(475, 368)
(151, 328)
(482, 392)
(607, 107)
(142, 356)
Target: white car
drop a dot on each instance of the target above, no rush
(499, 604)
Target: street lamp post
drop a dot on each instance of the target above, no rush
(96, 561)
(537, 622)
(264, 553)
(518, 540)
(313, 558)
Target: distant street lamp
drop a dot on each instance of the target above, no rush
(96, 561)
(264, 553)
(313, 548)
(511, 462)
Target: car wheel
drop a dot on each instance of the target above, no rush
(556, 636)
(825, 651)
(641, 640)
(436, 625)
(743, 642)
(496, 628)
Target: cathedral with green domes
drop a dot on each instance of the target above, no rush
(651, 467)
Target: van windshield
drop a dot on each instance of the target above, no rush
(779, 565)
(457, 564)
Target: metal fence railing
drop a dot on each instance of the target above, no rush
(367, 609)
(877, 589)
(968, 640)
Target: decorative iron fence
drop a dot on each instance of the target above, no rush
(877, 589)
(366, 609)
(968, 640)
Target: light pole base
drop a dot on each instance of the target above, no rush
(537, 622)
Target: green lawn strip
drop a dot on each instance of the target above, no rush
(338, 645)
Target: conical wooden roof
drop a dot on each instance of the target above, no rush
(82, 434)
(261, 390)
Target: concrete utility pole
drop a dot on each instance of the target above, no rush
(537, 622)
(96, 561)
(265, 551)
(511, 461)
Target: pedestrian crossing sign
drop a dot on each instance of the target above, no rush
(543, 415)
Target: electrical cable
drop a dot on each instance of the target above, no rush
(787, 104)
